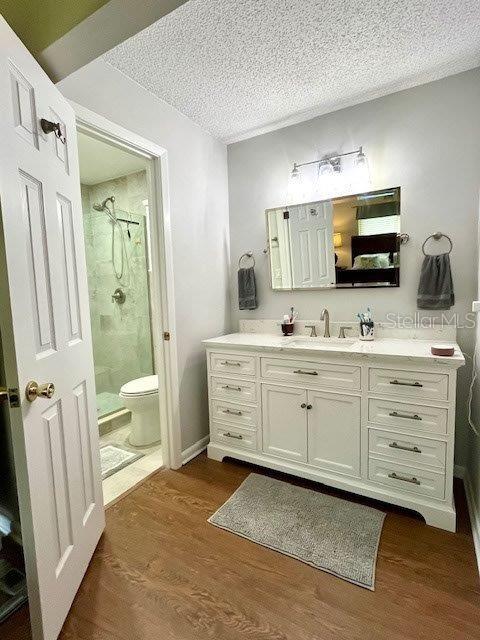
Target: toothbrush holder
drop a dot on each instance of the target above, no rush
(287, 328)
(367, 330)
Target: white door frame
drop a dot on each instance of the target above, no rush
(162, 283)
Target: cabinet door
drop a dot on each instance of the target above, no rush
(334, 432)
(284, 422)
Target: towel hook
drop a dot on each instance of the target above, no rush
(248, 254)
(438, 235)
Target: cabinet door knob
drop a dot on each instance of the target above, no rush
(309, 406)
(304, 405)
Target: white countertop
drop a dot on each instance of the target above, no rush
(417, 350)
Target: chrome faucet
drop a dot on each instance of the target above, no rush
(325, 316)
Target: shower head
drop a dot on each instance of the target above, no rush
(103, 205)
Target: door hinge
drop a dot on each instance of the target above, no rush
(286, 215)
(166, 335)
(11, 396)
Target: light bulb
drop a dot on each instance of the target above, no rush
(325, 169)
(362, 171)
(296, 185)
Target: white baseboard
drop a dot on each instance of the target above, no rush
(459, 471)
(196, 448)
(474, 512)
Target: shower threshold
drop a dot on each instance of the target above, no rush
(108, 403)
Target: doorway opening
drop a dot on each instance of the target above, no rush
(117, 207)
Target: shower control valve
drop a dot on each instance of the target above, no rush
(119, 296)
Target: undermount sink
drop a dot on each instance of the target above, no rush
(305, 342)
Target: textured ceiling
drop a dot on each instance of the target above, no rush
(237, 67)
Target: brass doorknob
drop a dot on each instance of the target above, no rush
(35, 390)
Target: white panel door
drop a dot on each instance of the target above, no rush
(45, 326)
(334, 432)
(313, 257)
(284, 422)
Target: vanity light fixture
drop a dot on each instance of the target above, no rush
(329, 164)
(329, 172)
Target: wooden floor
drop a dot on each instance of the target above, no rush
(161, 572)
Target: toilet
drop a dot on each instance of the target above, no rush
(140, 396)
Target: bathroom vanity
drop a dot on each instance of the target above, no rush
(376, 418)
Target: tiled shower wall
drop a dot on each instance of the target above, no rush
(121, 333)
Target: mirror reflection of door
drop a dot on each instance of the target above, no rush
(279, 248)
(350, 241)
(311, 237)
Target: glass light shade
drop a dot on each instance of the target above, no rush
(337, 240)
(296, 186)
(362, 171)
(325, 169)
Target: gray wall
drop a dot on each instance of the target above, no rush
(199, 216)
(425, 140)
(473, 462)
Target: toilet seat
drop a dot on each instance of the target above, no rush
(140, 387)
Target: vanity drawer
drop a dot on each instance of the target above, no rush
(233, 389)
(233, 364)
(402, 415)
(408, 383)
(240, 414)
(311, 373)
(407, 478)
(233, 436)
(407, 449)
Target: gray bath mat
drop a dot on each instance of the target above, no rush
(114, 457)
(328, 533)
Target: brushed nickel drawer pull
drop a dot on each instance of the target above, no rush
(395, 476)
(397, 414)
(227, 386)
(306, 373)
(233, 413)
(395, 445)
(227, 434)
(406, 384)
(231, 363)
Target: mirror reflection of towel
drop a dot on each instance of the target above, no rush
(435, 289)
(247, 289)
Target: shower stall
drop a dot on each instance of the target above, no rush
(115, 214)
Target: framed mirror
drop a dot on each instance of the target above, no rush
(347, 242)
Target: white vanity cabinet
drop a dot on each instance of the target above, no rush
(366, 421)
(284, 423)
(334, 432)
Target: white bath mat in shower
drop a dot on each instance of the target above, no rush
(113, 457)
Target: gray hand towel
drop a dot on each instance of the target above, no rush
(247, 289)
(435, 289)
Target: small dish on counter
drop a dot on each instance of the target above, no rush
(442, 350)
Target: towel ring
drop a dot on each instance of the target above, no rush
(248, 254)
(437, 236)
